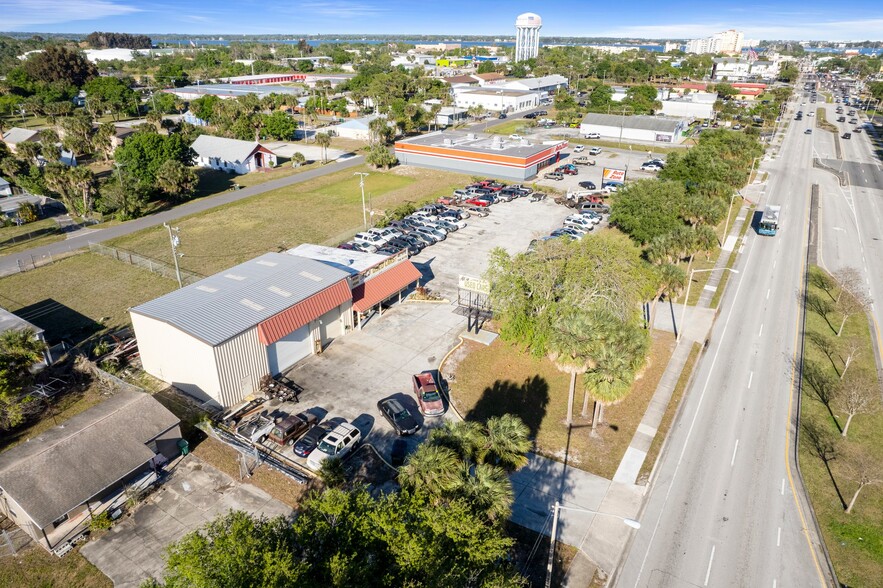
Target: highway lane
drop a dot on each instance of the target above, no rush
(722, 510)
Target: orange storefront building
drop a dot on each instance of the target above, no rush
(476, 154)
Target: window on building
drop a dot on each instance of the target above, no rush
(57, 522)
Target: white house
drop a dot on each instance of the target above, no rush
(497, 100)
(17, 135)
(231, 155)
(356, 128)
(5, 188)
(731, 69)
(693, 105)
(767, 70)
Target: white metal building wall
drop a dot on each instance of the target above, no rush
(241, 363)
(177, 358)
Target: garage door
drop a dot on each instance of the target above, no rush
(290, 349)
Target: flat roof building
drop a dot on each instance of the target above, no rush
(646, 129)
(479, 154)
(225, 91)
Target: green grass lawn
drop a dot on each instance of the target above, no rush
(34, 566)
(500, 379)
(79, 296)
(18, 238)
(323, 210)
(855, 540)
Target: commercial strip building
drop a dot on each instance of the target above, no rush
(216, 339)
(692, 106)
(486, 155)
(497, 99)
(225, 91)
(648, 129)
(54, 484)
(734, 69)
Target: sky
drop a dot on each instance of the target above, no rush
(773, 19)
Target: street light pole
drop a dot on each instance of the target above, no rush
(729, 211)
(173, 239)
(362, 187)
(629, 522)
(687, 297)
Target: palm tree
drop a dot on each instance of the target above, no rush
(487, 488)
(28, 151)
(571, 344)
(621, 352)
(432, 468)
(379, 128)
(324, 141)
(465, 438)
(507, 442)
(672, 280)
(83, 180)
(298, 159)
(433, 115)
(19, 350)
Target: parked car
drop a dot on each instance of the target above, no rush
(525, 191)
(447, 225)
(398, 416)
(530, 115)
(595, 151)
(455, 213)
(399, 452)
(371, 241)
(502, 115)
(515, 137)
(306, 444)
(555, 175)
(428, 396)
(592, 135)
(587, 185)
(579, 222)
(425, 240)
(256, 428)
(595, 206)
(425, 214)
(579, 148)
(336, 444)
(386, 233)
(432, 233)
(290, 428)
(651, 166)
(807, 132)
(406, 243)
(568, 169)
(583, 160)
(847, 135)
(567, 232)
(481, 211)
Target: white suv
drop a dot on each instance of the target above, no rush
(592, 135)
(369, 240)
(337, 444)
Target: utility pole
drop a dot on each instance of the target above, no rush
(362, 187)
(173, 239)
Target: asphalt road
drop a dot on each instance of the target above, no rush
(10, 263)
(722, 509)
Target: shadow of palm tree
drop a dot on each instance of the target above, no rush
(528, 400)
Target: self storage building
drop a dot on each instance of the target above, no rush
(217, 338)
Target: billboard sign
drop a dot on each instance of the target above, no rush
(474, 284)
(612, 176)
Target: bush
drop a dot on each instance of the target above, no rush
(101, 522)
(332, 473)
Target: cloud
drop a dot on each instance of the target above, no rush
(24, 14)
(340, 9)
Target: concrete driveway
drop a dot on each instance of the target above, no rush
(194, 494)
(357, 370)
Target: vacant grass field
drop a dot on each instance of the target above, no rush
(79, 296)
(855, 540)
(500, 379)
(317, 211)
(35, 234)
(34, 566)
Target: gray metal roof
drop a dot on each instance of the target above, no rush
(230, 302)
(53, 473)
(480, 143)
(542, 82)
(9, 321)
(236, 90)
(645, 123)
(232, 150)
(17, 135)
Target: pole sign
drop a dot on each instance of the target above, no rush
(474, 284)
(612, 176)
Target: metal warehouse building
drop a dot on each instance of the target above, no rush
(217, 338)
(653, 129)
(484, 155)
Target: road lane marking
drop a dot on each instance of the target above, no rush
(750, 377)
(696, 414)
(783, 486)
(768, 294)
(761, 330)
(708, 571)
(736, 448)
(774, 583)
(779, 538)
(774, 263)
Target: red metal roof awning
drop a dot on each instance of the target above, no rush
(384, 285)
(294, 317)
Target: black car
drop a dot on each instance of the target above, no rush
(587, 185)
(412, 245)
(502, 115)
(398, 416)
(399, 452)
(306, 444)
(531, 115)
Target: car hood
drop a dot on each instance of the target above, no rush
(433, 408)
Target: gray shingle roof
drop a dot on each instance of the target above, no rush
(51, 474)
(232, 150)
(230, 302)
(646, 123)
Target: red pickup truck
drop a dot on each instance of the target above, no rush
(428, 397)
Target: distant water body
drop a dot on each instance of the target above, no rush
(317, 42)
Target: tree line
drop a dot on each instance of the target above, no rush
(101, 40)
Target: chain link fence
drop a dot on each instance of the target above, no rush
(152, 265)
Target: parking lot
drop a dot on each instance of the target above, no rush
(613, 158)
(359, 369)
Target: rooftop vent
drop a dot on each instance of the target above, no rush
(279, 291)
(310, 276)
(267, 263)
(234, 277)
(205, 288)
(252, 305)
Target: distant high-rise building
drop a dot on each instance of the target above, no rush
(730, 41)
(527, 36)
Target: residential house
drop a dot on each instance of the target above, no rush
(231, 155)
(17, 135)
(5, 187)
(356, 128)
(53, 484)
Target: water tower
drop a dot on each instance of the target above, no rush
(527, 36)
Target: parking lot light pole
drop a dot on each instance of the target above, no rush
(173, 239)
(680, 326)
(362, 186)
(629, 522)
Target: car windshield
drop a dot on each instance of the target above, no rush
(327, 447)
(431, 396)
(402, 415)
(277, 432)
